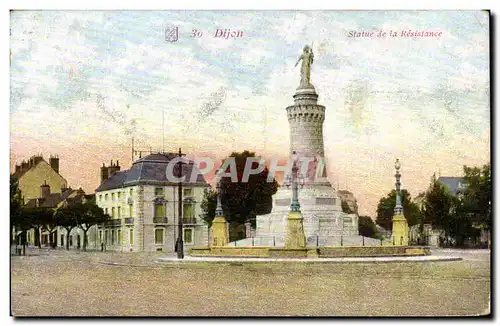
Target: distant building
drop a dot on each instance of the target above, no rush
(35, 172)
(425, 235)
(41, 185)
(143, 205)
(53, 201)
(456, 185)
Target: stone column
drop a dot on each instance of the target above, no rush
(399, 223)
(248, 230)
(295, 236)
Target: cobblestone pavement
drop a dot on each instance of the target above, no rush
(61, 283)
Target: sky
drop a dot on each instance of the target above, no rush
(83, 83)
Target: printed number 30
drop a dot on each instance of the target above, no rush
(196, 33)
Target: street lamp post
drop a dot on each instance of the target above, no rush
(295, 206)
(180, 242)
(399, 223)
(398, 210)
(295, 238)
(218, 210)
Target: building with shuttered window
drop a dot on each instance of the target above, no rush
(143, 205)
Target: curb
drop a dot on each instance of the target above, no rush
(344, 260)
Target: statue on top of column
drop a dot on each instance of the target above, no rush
(307, 58)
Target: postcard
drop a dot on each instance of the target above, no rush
(317, 163)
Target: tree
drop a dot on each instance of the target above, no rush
(438, 208)
(367, 227)
(23, 223)
(67, 217)
(478, 194)
(51, 227)
(208, 205)
(40, 218)
(16, 203)
(88, 214)
(345, 207)
(243, 201)
(461, 222)
(385, 209)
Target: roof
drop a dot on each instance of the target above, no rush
(22, 172)
(18, 175)
(454, 184)
(152, 170)
(51, 201)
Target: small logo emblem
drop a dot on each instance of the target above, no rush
(172, 34)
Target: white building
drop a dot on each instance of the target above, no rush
(143, 205)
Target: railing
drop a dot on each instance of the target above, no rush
(312, 241)
(114, 222)
(188, 220)
(129, 220)
(160, 219)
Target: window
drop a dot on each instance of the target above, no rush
(188, 236)
(119, 236)
(106, 197)
(131, 236)
(159, 210)
(119, 212)
(106, 236)
(100, 197)
(118, 195)
(62, 240)
(100, 236)
(158, 236)
(112, 237)
(188, 210)
(112, 212)
(130, 210)
(131, 192)
(188, 192)
(158, 191)
(113, 196)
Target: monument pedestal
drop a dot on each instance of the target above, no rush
(220, 234)
(399, 230)
(295, 237)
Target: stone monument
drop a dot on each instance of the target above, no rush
(322, 214)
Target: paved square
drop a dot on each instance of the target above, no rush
(59, 283)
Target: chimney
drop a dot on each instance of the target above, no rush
(44, 190)
(24, 166)
(54, 163)
(113, 168)
(64, 188)
(37, 158)
(104, 172)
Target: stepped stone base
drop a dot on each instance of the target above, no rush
(320, 252)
